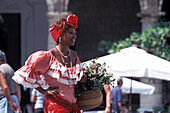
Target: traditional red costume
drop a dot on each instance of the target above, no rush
(42, 69)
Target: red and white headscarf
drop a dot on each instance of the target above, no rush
(57, 30)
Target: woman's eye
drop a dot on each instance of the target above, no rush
(72, 33)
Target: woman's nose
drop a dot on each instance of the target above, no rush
(74, 35)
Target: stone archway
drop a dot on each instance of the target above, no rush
(33, 23)
(150, 12)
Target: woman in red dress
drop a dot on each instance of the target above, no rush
(54, 73)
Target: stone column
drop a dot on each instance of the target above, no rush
(150, 12)
(56, 9)
(147, 102)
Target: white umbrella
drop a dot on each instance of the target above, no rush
(137, 87)
(134, 62)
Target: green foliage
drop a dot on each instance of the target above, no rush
(162, 24)
(104, 45)
(153, 40)
(97, 77)
(157, 109)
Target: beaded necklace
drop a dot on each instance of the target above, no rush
(66, 63)
(62, 53)
(61, 57)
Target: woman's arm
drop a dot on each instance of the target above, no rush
(6, 91)
(48, 92)
(108, 98)
(33, 98)
(41, 90)
(4, 86)
(18, 93)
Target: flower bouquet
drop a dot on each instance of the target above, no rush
(89, 93)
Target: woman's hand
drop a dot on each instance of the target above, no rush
(13, 106)
(107, 110)
(53, 92)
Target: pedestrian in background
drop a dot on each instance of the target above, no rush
(37, 99)
(9, 91)
(116, 95)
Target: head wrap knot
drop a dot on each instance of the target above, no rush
(72, 20)
(57, 29)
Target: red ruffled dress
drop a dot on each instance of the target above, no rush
(43, 69)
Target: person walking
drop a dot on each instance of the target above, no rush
(116, 95)
(37, 99)
(54, 73)
(9, 91)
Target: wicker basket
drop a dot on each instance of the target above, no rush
(90, 99)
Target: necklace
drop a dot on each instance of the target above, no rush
(62, 53)
(61, 57)
(66, 63)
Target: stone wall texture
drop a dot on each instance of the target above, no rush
(109, 20)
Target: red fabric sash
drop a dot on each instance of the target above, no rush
(58, 104)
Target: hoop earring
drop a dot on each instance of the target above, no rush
(59, 39)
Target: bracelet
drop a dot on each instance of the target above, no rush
(45, 93)
(108, 105)
(10, 102)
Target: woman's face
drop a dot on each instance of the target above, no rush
(70, 36)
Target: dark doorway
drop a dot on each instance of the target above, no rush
(166, 84)
(165, 8)
(10, 38)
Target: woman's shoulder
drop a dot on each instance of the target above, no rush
(74, 57)
(39, 53)
(53, 52)
(73, 53)
(39, 56)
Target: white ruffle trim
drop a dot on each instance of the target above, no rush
(78, 71)
(20, 80)
(33, 83)
(64, 81)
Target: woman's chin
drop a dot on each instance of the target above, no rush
(72, 44)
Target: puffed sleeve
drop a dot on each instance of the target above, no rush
(31, 74)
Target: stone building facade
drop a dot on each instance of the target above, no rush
(27, 23)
